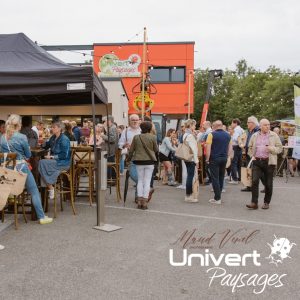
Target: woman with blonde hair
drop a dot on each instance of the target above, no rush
(14, 141)
(99, 140)
(191, 166)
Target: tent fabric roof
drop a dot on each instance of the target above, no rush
(30, 75)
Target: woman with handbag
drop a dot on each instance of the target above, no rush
(191, 165)
(142, 152)
(14, 141)
(166, 150)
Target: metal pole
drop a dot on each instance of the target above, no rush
(95, 149)
(189, 95)
(143, 73)
(102, 186)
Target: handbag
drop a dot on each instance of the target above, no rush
(13, 179)
(184, 151)
(147, 150)
(4, 194)
(246, 174)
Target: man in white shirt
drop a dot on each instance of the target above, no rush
(39, 126)
(126, 139)
(128, 133)
(237, 152)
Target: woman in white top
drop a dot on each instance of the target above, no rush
(190, 139)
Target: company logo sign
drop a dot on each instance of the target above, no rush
(111, 66)
(223, 269)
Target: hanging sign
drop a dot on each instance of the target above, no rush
(111, 66)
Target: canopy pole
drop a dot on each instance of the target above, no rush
(95, 152)
(101, 177)
(143, 73)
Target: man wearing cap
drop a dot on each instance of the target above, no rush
(264, 146)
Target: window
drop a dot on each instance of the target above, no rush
(167, 74)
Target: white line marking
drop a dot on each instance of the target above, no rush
(198, 216)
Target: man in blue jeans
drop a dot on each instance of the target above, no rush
(236, 163)
(217, 148)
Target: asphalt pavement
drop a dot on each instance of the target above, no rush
(70, 260)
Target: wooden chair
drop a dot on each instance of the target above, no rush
(116, 167)
(16, 201)
(83, 164)
(63, 186)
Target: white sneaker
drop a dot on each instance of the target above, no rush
(2, 247)
(233, 182)
(223, 191)
(190, 199)
(194, 200)
(213, 201)
(46, 220)
(182, 187)
(51, 194)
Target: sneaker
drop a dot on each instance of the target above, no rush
(2, 247)
(172, 183)
(213, 201)
(190, 199)
(182, 187)
(46, 220)
(233, 182)
(223, 191)
(51, 194)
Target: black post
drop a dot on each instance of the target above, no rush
(95, 153)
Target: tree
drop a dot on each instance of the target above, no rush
(244, 92)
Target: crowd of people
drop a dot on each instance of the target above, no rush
(220, 151)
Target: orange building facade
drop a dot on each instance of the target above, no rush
(170, 66)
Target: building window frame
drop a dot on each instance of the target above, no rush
(170, 68)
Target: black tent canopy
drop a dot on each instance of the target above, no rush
(29, 75)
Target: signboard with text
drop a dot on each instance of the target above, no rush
(111, 66)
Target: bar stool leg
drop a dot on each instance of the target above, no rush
(55, 194)
(23, 210)
(16, 212)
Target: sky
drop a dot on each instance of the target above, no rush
(263, 32)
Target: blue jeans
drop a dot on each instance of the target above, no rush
(110, 171)
(236, 163)
(133, 172)
(32, 189)
(122, 163)
(190, 167)
(217, 171)
(133, 175)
